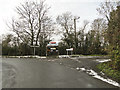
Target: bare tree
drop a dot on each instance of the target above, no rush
(33, 21)
(66, 22)
(85, 24)
(99, 25)
(107, 7)
(81, 32)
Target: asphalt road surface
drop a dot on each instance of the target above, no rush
(46, 73)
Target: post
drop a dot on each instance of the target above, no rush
(75, 32)
(71, 52)
(34, 51)
(67, 52)
(46, 51)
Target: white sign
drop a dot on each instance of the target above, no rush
(71, 49)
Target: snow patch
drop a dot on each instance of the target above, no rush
(73, 58)
(77, 68)
(83, 69)
(102, 73)
(43, 57)
(51, 60)
(89, 56)
(40, 57)
(102, 60)
(63, 56)
(95, 75)
(26, 56)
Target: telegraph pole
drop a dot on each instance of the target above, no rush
(75, 18)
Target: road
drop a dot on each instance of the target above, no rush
(46, 73)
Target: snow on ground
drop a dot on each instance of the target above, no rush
(40, 57)
(89, 56)
(77, 68)
(95, 75)
(51, 60)
(102, 60)
(63, 56)
(26, 56)
(78, 56)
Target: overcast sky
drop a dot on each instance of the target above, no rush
(86, 9)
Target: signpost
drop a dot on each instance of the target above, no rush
(34, 48)
(71, 50)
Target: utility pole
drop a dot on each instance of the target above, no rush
(75, 18)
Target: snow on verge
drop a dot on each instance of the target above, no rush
(95, 75)
(64, 56)
(103, 60)
(26, 56)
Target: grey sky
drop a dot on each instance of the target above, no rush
(83, 9)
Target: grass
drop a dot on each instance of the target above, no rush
(105, 68)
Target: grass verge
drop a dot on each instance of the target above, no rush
(109, 72)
